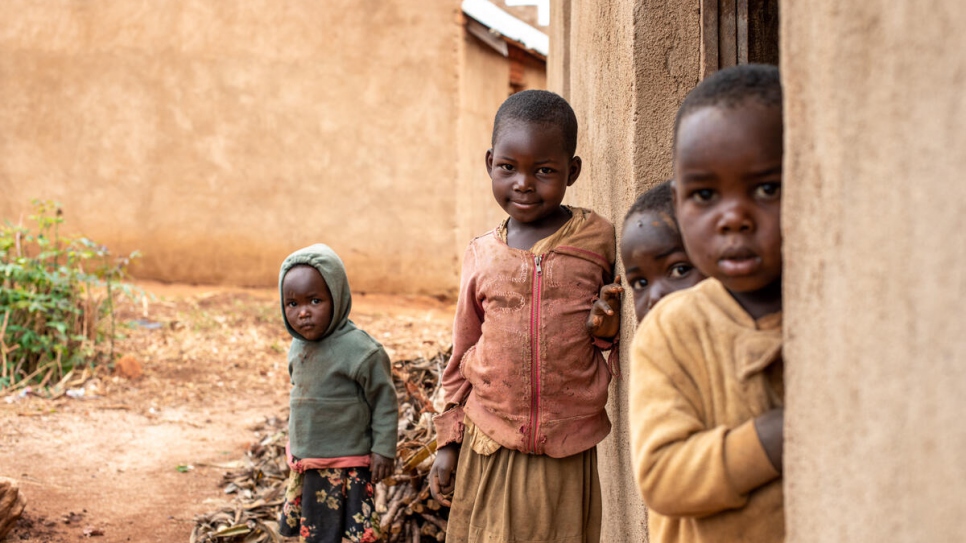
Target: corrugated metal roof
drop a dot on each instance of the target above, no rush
(497, 20)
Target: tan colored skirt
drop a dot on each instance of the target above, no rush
(513, 497)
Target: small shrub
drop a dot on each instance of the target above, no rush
(56, 300)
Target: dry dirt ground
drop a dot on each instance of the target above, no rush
(135, 459)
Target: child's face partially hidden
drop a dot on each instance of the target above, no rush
(727, 192)
(308, 302)
(655, 263)
(531, 171)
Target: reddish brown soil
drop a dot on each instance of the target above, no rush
(106, 466)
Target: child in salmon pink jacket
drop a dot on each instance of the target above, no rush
(526, 386)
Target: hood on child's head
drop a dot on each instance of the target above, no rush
(322, 258)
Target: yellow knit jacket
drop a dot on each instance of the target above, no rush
(701, 370)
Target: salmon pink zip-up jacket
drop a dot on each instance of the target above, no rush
(524, 368)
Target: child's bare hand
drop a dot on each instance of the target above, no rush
(442, 479)
(605, 319)
(380, 466)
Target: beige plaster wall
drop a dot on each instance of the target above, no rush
(217, 138)
(624, 67)
(875, 258)
(534, 73)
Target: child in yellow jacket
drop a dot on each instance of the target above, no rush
(706, 386)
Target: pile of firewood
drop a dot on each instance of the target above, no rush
(258, 484)
(407, 511)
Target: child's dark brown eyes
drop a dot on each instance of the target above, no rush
(680, 270)
(702, 195)
(638, 283)
(545, 171)
(313, 301)
(768, 191)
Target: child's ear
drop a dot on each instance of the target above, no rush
(489, 162)
(575, 164)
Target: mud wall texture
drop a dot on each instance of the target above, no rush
(216, 139)
(625, 67)
(874, 222)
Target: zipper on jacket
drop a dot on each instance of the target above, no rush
(535, 352)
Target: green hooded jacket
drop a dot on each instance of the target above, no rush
(343, 402)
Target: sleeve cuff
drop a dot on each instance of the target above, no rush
(384, 443)
(746, 462)
(449, 426)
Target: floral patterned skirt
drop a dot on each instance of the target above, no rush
(330, 506)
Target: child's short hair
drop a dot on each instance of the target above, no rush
(541, 107)
(732, 87)
(658, 199)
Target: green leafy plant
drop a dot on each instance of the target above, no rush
(57, 298)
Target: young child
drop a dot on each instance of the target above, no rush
(526, 386)
(344, 416)
(706, 389)
(655, 262)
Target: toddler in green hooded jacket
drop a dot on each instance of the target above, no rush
(344, 414)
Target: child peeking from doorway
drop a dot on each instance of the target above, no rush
(706, 388)
(526, 386)
(655, 262)
(344, 415)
